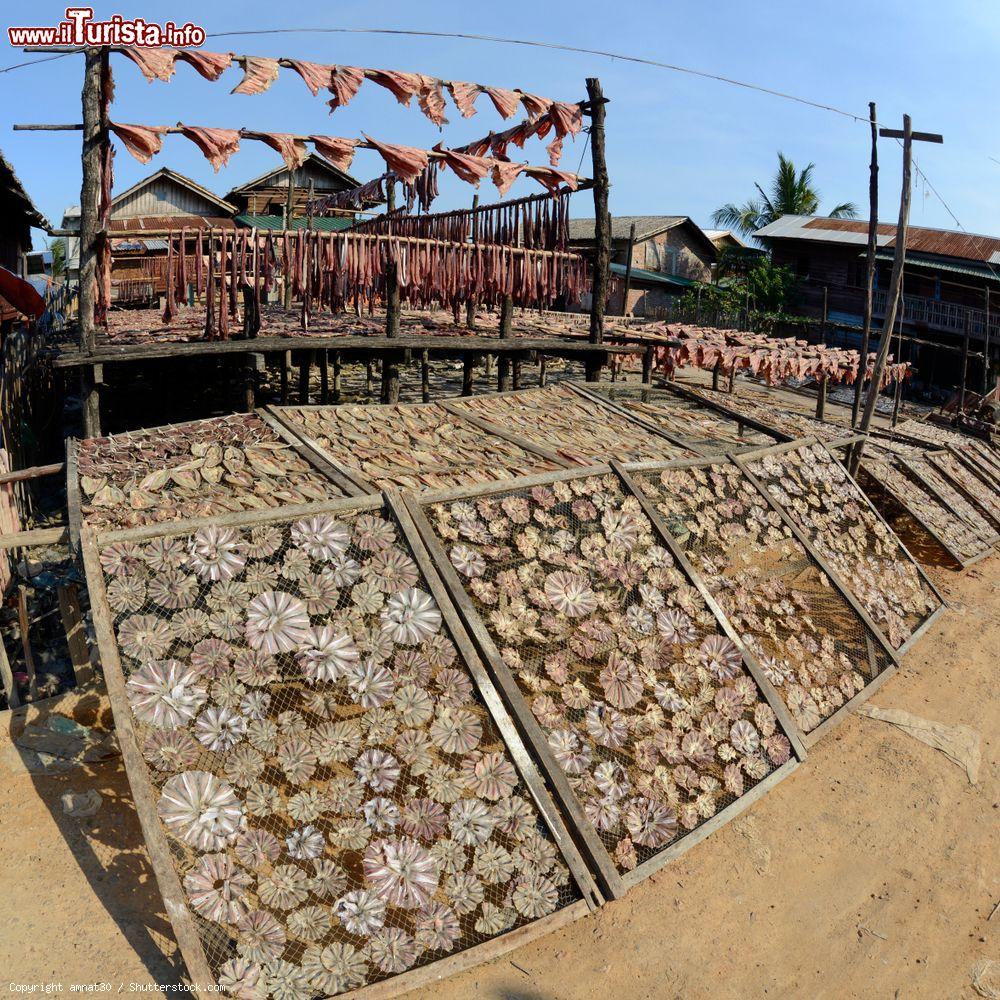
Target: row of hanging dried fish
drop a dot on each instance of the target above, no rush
(343, 82)
(538, 222)
(234, 270)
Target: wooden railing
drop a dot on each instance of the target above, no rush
(948, 316)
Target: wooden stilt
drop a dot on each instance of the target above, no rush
(425, 377)
(76, 638)
(324, 376)
(336, 376)
(369, 377)
(602, 224)
(647, 365)
(305, 370)
(821, 397)
(541, 371)
(286, 363)
(504, 383)
(25, 628)
(468, 369)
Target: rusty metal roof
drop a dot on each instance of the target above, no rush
(919, 239)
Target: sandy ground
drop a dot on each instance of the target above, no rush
(871, 872)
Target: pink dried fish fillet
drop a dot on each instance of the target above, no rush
(218, 144)
(505, 173)
(340, 152)
(211, 65)
(567, 118)
(478, 148)
(555, 150)
(291, 149)
(259, 73)
(407, 162)
(464, 95)
(316, 76)
(471, 169)
(505, 101)
(431, 99)
(345, 81)
(142, 141)
(402, 85)
(550, 178)
(535, 106)
(155, 64)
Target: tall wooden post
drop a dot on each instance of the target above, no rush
(896, 281)
(628, 270)
(869, 266)
(965, 363)
(602, 223)
(986, 345)
(94, 137)
(390, 363)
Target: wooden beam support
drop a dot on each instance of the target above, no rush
(76, 636)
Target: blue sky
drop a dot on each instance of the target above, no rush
(676, 144)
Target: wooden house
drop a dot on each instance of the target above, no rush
(17, 216)
(951, 284)
(670, 253)
(165, 200)
(261, 202)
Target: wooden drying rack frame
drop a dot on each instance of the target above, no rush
(176, 902)
(614, 884)
(96, 143)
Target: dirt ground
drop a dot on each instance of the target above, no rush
(871, 872)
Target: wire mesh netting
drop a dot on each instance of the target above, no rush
(216, 466)
(698, 427)
(954, 500)
(826, 506)
(579, 429)
(412, 446)
(339, 804)
(811, 644)
(644, 702)
(930, 433)
(959, 538)
(986, 498)
(764, 411)
(984, 457)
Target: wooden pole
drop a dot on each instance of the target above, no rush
(336, 376)
(986, 345)
(896, 398)
(869, 265)
(94, 137)
(602, 223)
(468, 368)
(965, 363)
(715, 375)
(305, 370)
(628, 270)
(895, 291)
(390, 363)
(503, 362)
(470, 305)
(289, 210)
(324, 376)
(24, 628)
(542, 371)
(425, 377)
(821, 397)
(647, 365)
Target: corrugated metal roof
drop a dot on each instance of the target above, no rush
(321, 224)
(645, 226)
(919, 239)
(654, 277)
(131, 243)
(937, 264)
(172, 222)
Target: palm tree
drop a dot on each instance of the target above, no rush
(792, 193)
